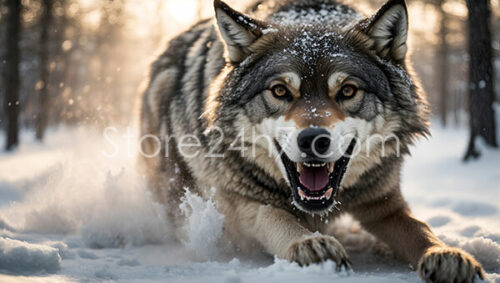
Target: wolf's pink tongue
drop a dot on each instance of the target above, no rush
(314, 178)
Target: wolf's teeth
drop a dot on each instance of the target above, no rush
(314, 164)
(299, 167)
(330, 167)
(329, 193)
(302, 194)
(326, 196)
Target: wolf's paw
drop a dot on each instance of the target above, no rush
(445, 264)
(318, 249)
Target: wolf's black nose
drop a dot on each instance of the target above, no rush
(314, 141)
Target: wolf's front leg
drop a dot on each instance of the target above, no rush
(391, 221)
(281, 234)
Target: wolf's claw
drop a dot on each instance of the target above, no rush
(318, 249)
(445, 264)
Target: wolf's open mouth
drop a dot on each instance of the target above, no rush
(315, 184)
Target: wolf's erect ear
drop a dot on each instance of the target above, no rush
(238, 31)
(388, 29)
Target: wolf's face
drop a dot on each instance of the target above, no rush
(315, 94)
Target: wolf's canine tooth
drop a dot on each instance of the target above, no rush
(302, 194)
(299, 167)
(331, 166)
(329, 193)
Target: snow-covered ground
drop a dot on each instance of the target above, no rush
(70, 213)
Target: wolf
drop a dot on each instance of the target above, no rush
(296, 112)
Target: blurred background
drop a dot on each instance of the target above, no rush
(85, 62)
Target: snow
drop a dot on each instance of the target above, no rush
(69, 213)
(336, 15)
(204, 225)
(25, 258)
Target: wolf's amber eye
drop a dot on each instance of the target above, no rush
(348, 91)
(281, 92)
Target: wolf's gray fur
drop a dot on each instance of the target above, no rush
(218, 76)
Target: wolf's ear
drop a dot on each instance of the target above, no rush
(388, 29)
(238, 31)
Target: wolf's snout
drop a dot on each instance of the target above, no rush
(314, 141)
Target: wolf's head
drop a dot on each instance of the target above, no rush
(321, 88)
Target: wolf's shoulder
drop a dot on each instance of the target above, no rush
(179, 46)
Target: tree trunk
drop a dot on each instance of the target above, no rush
(61, 56)
(44, 70)
(481, 79)
(443, 66)
(11, 75)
